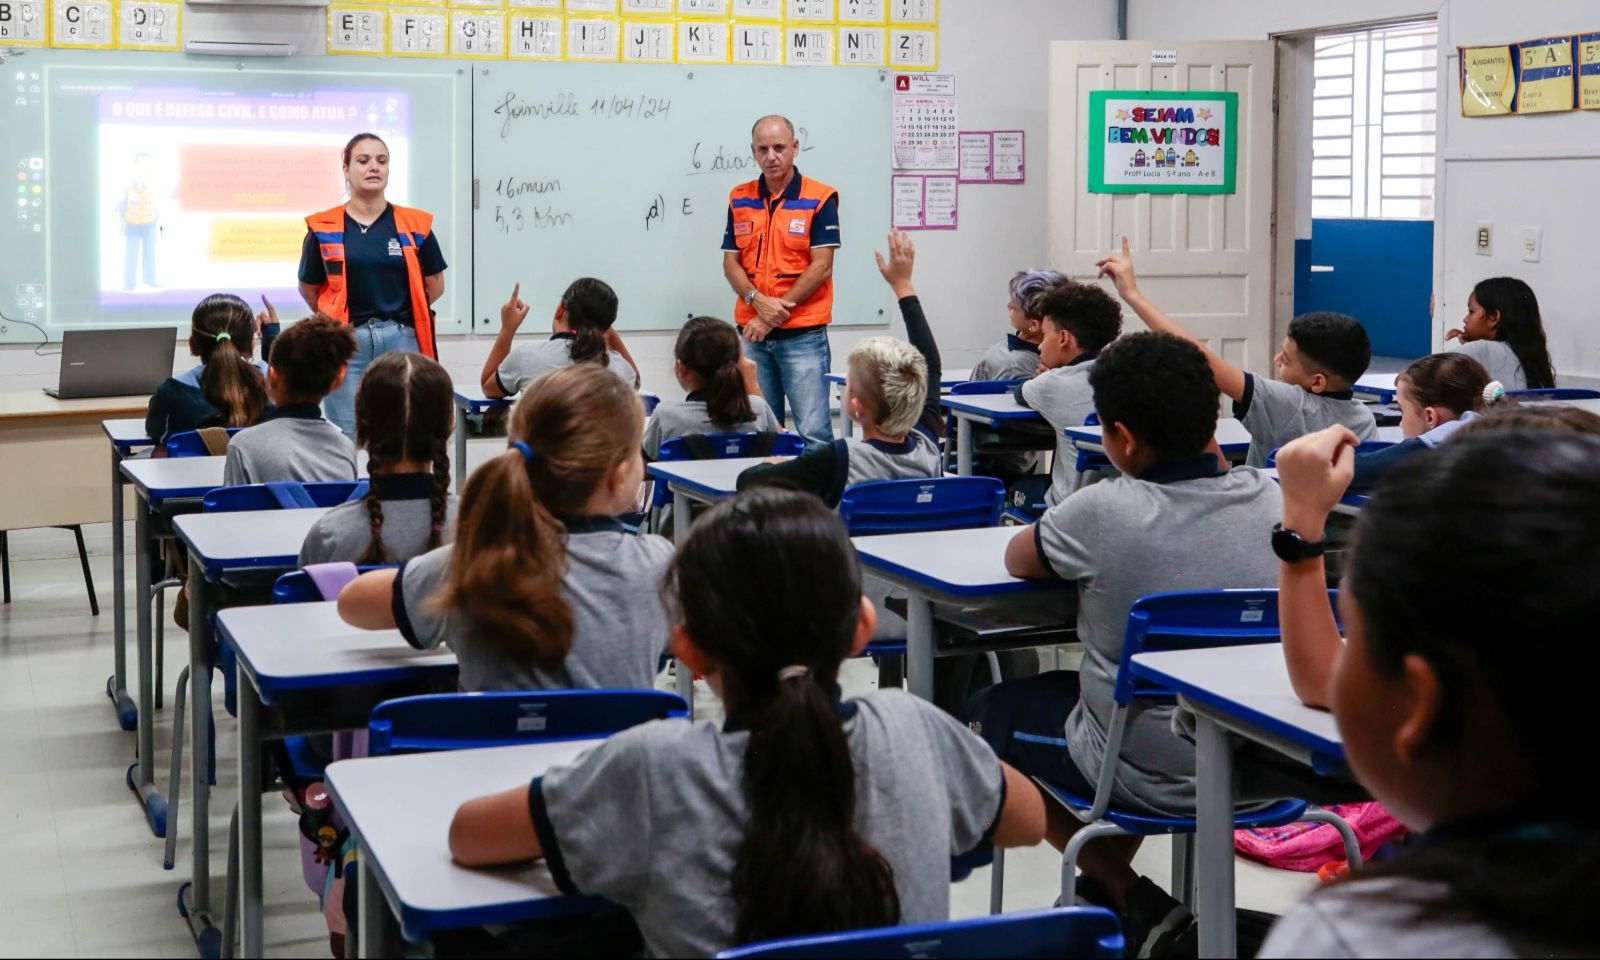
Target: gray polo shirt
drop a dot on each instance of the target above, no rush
(680, 418)
(651, 818)
(1275, 413)
(1499, 359)
(1063, 397)
(917, 457)
(529, 361)
(613, 586)
(343, 533)
(1180, 526)
(1010, 359)
(290, 443)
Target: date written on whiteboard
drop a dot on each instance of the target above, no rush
(513, 108)
(643, 108)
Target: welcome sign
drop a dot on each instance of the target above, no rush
(1162, 141)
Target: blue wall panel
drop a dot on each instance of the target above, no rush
(1382, 275)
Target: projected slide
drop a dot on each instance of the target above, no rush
(204, 191)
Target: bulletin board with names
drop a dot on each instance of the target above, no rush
(1544, 75)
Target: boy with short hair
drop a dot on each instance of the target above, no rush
(1017, 356)
(1322, 357)
(292, 441)
(1174, 519)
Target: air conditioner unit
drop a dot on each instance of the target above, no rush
(230, 48)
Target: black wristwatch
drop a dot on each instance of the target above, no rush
(1293, 548)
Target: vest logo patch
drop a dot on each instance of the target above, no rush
(797, 226)
(743, 228)
(394, 248)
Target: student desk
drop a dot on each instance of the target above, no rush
(947, 379)
(985, 409)
(302, 670)
(1350, 504)
(960, 567)
(1242, 692)
(258, 543)
(699, 482)
(156, 484)
(1592, 404)
(126, 436)
(470, 401)
(1379, 385)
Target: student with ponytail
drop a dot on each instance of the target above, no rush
(1503, 331)
(1438, 395)
(721, 383)
(582, 332)
(543, 586)
(803, 813)
(227, 388)
(405, 411)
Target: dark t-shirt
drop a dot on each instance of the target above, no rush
(375, 268)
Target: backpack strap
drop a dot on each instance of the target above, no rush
(290, 494)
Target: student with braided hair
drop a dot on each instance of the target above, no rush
(404, 415)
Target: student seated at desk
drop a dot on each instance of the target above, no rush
(1017, 356)
(803, 813)
(405, 412)
(1321, 358)
(581, 332)
(543, 587)
(292, 441)
(227, 388)
(1438, 395)
(886, 391)
(721, 382)
(1459, 715)
(1079, 320)
(1503, 331)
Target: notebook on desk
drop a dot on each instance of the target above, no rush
(114, 363)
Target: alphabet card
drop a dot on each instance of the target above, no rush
(534, 37)
(22, 23)
(148, 26)
(82, 23)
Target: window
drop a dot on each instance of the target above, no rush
(1374, 112)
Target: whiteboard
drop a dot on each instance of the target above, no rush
(623, 174)
(237, 153)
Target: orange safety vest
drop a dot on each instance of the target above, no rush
(413, 227)
(137, 206)
(775, 247)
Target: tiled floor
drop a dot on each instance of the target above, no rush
(80, 874)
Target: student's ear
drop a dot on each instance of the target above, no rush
(1493, 320)
(275, 381)
(1118, 434)
(338, 378)
(1419, 716)
(1317, 383)
(866, 624)
(689, 655)
(1431, 418)
(558, 321)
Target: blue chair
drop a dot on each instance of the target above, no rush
(1555, 393)
(984, 387)
(1183, 620)
(1365, 446)
(912, 506)
(188, 443)
(284, 495)
(650, 402)
(1060, 932)
(719, 446)
(462, 721)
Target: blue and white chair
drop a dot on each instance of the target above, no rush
(187, 443)
(1555, 393)
(717, 446)
(1060, 932)
(463, 721)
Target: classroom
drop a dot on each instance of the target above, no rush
(797, 478)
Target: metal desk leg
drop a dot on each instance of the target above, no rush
(919, 645)
(461, 448)
(847, 427)
(1214, 840)
(117, 686)
(154, 804)
(963, 446)
(250, 874)
(200, 744)
(682, 515)
(379, 932)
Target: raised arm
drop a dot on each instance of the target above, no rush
(1230, 379)
(897, 268)
(512, 313)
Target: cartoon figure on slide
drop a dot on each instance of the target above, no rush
(140, 220)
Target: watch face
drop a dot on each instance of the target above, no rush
(1292, 548)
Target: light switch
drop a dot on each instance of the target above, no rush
(1485, 239)
(1532, 244)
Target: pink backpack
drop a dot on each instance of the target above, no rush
(1308, 846)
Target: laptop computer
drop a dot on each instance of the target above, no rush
(114, 363)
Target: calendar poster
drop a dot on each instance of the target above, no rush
(926, 133)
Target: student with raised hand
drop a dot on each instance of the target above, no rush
(544, 587)
(1322, 357)
(804, 812)
(405, 413)
(582, 331)
(292, 440)
(227, 388)
(721, 383)
(887, 393)
(1459, 716)
(1017, 356)
(1502, 330)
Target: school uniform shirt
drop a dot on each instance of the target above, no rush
(376, 283)
(1370, 467)
(651, 818)
(1063, 397)
(682, 418)
(179, 405)
(613, 587)
(529, 361)
(291, 442)
(344, 533)
(1185, 524)
(1275, 412)
(1010, 359)
(1499, 359)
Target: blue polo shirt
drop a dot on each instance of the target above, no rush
(376, 287)
(824, 226)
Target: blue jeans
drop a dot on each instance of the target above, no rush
(138, 248)
(790, 372)
(373, 339)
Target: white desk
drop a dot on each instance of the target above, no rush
(1592, 405)
(947, 566)
(1244, 692)
(303, 670)
(699, 481)
(126, 436)
(984, 409)
(1379, 385)
(947, 379)
(470, 401)
(402, 831)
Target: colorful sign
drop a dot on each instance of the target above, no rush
(1162, 141)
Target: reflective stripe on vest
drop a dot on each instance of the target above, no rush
(412, 227)
(775, 247)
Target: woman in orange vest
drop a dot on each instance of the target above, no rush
(374, 265)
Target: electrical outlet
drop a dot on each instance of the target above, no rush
(1532, 244)
(1484, 240)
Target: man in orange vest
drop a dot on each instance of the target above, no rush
(137, 211)
(783, 229)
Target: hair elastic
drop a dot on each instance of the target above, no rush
(224, 335)
(795, 672)
(1493, 391)
(523, 448)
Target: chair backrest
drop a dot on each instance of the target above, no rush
(908, 506)
(461, 721)
(650, 402)
(296, 586)
(1555, 393)
(286, 495)
(1059, 932)
(727, 446)
(981, 387)
(188, 443)
(1365, 446)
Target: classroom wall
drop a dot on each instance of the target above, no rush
(1513, 172)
